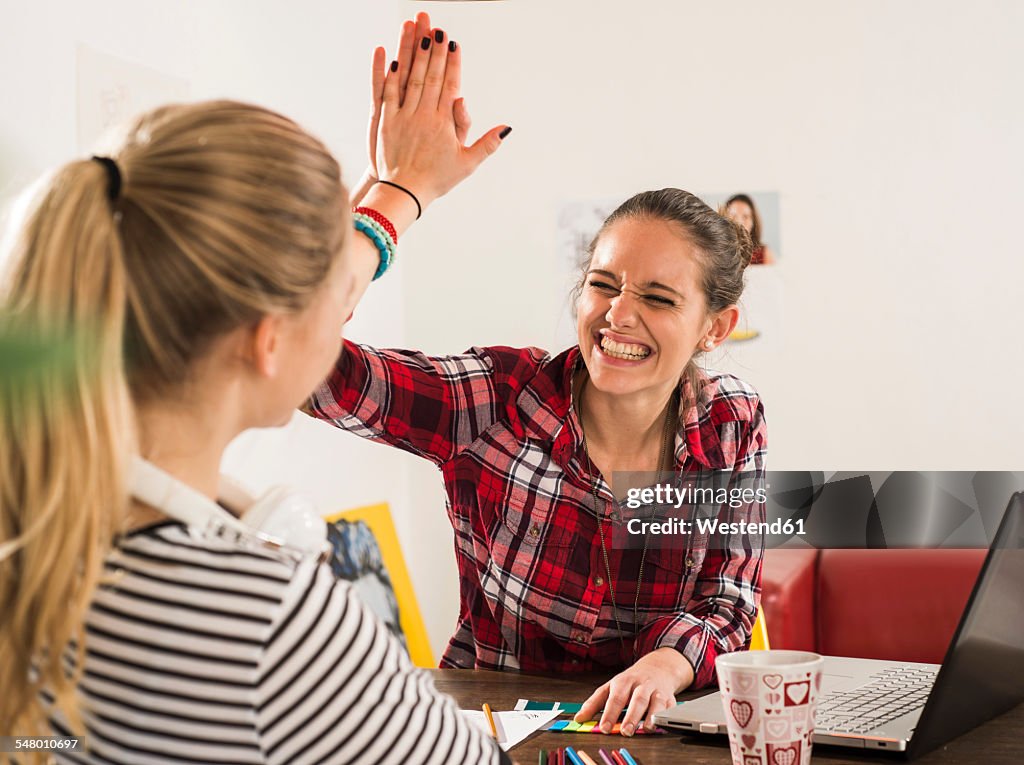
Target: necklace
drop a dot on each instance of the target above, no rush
(600, 525)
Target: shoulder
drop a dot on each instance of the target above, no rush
(519, 369)
(727, 398)
(525, 362)
(188, 558)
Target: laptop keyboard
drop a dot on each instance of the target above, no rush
(888, 695)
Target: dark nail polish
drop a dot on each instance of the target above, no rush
(504, 133)
(394, 66)
(438, 35)
(451, 46)
(425, 43)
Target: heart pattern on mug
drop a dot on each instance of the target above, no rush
(796, 693)
(785, 756)
(773, 681)
(777, 728)
(774, 698)
(744, 683)
(749, 741)
(742, 711)
(817, 681)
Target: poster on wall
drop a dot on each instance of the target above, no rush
(112, 90)
(759, 329)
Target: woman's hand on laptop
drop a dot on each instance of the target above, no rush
(648, 687)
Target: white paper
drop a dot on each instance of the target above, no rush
(512, 727)
(112, 90)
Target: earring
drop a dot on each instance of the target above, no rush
(708, 345)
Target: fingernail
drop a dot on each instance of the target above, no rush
(606, 728)
(451, 46)
(394, 66)
(438, 35)
(504, 133)
(627, 730)
(425, 43)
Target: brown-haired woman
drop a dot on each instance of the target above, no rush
(204, 271)
(528, 445)
(740, 209)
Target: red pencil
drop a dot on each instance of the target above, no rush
(617, 757)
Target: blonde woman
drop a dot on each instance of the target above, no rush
(204, 270)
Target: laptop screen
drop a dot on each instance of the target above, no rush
(983, 674)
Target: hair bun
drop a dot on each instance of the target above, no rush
(745, 248)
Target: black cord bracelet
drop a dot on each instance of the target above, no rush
(419, 210)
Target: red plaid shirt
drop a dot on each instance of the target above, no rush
(500, 424)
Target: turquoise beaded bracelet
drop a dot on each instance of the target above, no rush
(380, 242)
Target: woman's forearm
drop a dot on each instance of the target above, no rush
(396, 206)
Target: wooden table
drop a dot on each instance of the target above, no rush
(997, 742)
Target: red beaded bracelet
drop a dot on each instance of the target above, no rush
(383, 221)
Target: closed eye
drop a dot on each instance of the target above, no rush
(658, 299)
(603, 286)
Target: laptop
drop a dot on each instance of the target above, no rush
(910, 707)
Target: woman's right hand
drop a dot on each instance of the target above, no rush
(424, 124)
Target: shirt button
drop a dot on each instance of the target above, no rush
(579, 637)
(535, 531)
(615, 517)
(598, 581)
(689, 562)
(575, 662)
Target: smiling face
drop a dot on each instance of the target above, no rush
(642, 311)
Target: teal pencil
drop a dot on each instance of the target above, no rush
(627, 756)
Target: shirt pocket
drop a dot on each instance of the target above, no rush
(528, 567)
(528, 527)
(671, 570)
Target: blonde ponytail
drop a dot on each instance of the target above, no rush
(227, 211)
(65, 433)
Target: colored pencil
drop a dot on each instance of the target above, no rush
(627, 756)
(604, 756)
(587, 759)
(618, 758)
(490, 721)
(571, 757)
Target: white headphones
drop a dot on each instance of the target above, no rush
(281, 518)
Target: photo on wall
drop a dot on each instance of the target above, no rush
(760, 323)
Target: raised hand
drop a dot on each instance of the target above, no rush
(423, 126)
(412, 32)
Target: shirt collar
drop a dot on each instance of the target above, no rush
(547, 414)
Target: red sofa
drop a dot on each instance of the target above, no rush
(902, 605)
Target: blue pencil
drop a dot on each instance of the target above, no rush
(627, 756)
(574, 758)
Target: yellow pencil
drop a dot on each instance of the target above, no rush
(490, 721)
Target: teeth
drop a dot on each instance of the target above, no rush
(626, 351)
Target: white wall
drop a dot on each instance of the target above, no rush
(891, 132)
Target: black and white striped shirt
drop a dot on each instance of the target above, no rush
(202, 650)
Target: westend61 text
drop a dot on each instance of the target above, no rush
(710, 526)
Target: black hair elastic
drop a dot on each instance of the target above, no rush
(113, 175)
